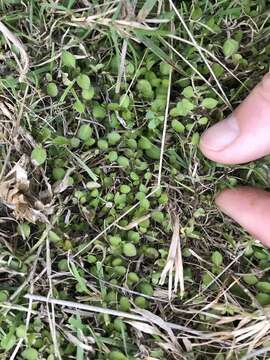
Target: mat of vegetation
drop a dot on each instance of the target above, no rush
(111, 246)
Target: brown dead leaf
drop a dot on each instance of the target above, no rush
(16, 195)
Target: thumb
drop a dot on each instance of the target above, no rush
(244, 135)
(250, 208)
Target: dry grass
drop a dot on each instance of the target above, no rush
(201, 311)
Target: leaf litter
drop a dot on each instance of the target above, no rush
(15, 193)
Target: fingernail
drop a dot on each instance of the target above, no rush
(221, 135)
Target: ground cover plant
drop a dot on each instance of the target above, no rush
(111, 246)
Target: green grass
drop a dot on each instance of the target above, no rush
(104, 192)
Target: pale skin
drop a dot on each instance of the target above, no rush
(244, 137)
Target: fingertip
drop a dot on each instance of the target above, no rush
(250, 208)
(243, 136)
(222, 199)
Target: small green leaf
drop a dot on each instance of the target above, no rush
(164, 68)
(196, 13)
(30, 354)
(83, 81)
(68, 59)
(52, 89)
(145, 89)
(217, 258)
(84, 132)
(88, 94)
(60, 140)
(178, 126)
(79, 106)
(263, 286)
(209, 103)
(99, 112)
(38, 156)
(129, 250)
(24, 230)
(250, 279)
(230, 47)
(144, 143)
(124, 101)
(195, 139)
(184, 107)
(203, 120)
(8, 341)
(188, 92)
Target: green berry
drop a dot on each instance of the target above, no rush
(85, 132)
(83, 81)
(68, 59)
(38, 156)
(129, 250)
(52, 89)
